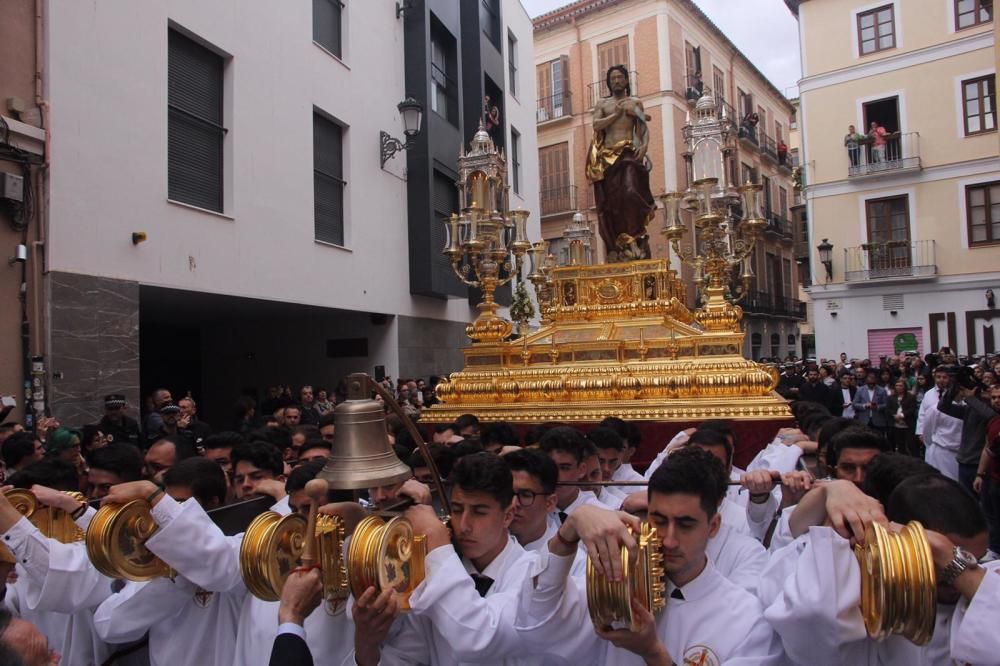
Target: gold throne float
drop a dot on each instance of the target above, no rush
(615, 339)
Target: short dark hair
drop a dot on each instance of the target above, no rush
(692, 471)
(307, 430)
(204, 478)
(828, 431)
(55, 473)
(634, 436)
(501, 433)
(537, 464)
(183, 448)
(123, 460)
(887, 470)
(719, 425)
(616, 424)
(466, 447)
(712, 437)
(315, 443)
(466, 421)
(939, 503)
(566, 439)
(444, 427)
(606, 438)
(305, 473)
(279, 437)
(222, 440)
(534, 434)
(294, 406)
(859, 437)
(443, 456)
(484, 472)
(17, 447)
(327, 419)
(262, 455)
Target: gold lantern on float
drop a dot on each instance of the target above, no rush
(898, 583)
(610, 602)
(116, 542)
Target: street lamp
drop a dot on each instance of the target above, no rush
(412, 113)
(826, 257)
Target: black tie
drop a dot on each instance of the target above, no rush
(483, 583)
(562, 517)
(677, 594)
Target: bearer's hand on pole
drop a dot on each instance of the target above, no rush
(603, 533)
(300, 596)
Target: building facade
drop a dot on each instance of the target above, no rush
(218, 216)
(911, 204)
(674, 53)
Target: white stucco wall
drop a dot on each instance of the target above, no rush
(107, 85)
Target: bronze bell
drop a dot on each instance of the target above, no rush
(362, 456)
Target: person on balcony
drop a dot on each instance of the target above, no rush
(852, 140)
(877, 134)
(782, 153)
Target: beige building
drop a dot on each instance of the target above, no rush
(913, 211)
(673, 51)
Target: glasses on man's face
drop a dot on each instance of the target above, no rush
(525, 497)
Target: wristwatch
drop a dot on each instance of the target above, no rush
(962, 561)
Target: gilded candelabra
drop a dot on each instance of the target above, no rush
(487, 242)
(722, 242)
(542, 263)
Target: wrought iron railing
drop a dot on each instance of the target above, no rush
(758, 302)
(898, 152)
(558, 200)
(891, 259)
(558, 105)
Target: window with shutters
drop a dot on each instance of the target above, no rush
(327, 25)
(786, 275)
(783, 201)
(515, 160)
(195, 133)
(766, 199)
(746, 103)
(779, 132)
(553, 89)
(512, 64)
(972, 12)
(888, 219)
(982, 212)
(876, 30)
(328, 180)
(719, 84)
(444, 79)
(614, 52)
(749, 174)
(553, 176)
(692, 59)
(979, 104)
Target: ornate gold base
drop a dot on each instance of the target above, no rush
(617, 341)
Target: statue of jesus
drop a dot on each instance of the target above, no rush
(619, 169)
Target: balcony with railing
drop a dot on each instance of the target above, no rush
(892, 260)
(554, 107)
(778, 225)
(599, 89)
(763, 303)
(899, 154)
(558, 200)
(768, 146)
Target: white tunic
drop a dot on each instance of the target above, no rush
(186, 624)
(738, 557)
(450, 624)
(811, 590)
(715, 623)
(942, 435)
(57, 590)
(627, 473)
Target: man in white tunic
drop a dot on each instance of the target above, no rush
(188, 622)
(534, 477)
(464, 610)
(812, 587)
(707, 620)
(941, 433)
(57, 588)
